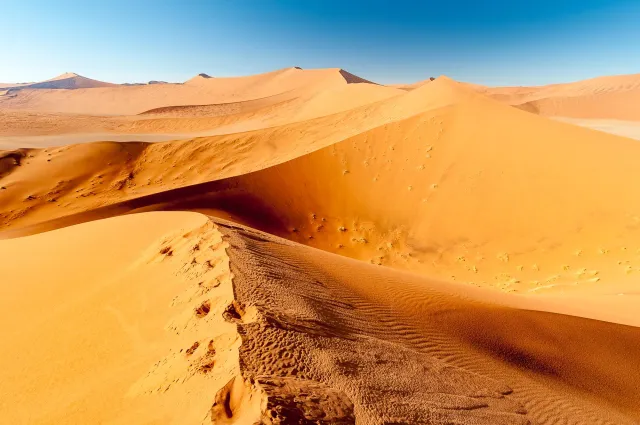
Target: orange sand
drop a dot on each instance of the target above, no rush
(493, 253)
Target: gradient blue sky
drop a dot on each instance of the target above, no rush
(495, 42)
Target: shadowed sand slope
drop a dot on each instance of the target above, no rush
(434, 193)
(437, 193)
(407, 350)
(92, 175)
(215, 323)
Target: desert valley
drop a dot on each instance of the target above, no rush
(307, 246)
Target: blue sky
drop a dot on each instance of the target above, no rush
(488, 42)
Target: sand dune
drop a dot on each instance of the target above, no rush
(452, 170)
(214, 106)
(602, 98)
(425, 254)
(68, 80)
(610, 97)
(303, 334)
(407, 350)
(129, 100)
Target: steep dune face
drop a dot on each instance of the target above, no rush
(272, 111)
(433, 193)
(270, 83)
(407, 350)
(436, 193)
(198, 322)
(90, 176)
(5, 86)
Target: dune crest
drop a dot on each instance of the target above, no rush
(217, 323)
(445, 138)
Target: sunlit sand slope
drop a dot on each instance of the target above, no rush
(115, 322)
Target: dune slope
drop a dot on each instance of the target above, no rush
(112, 325)
(215, 323)
(433, 193)
(407, 350)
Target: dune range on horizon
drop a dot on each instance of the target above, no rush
(310, 247)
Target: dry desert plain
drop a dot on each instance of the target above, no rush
(309, 247)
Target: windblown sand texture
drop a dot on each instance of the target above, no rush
(309, 247)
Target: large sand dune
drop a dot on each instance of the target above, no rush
(380, 255)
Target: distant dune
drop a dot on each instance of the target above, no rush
(611, 97)
(67, 81)
(603, 97)
(127, 100)
(307, 246)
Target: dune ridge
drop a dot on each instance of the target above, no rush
(347, 339)
(426, 158)
(243, 327)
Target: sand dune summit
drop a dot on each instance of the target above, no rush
(310, 247)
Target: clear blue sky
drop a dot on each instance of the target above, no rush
(512, 42)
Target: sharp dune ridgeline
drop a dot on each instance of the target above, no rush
(310, 247)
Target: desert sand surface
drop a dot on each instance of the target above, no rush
(610, 97)
(57, 140)
(630, 129)
(307, 246)
(601, 98)
(40, 117)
